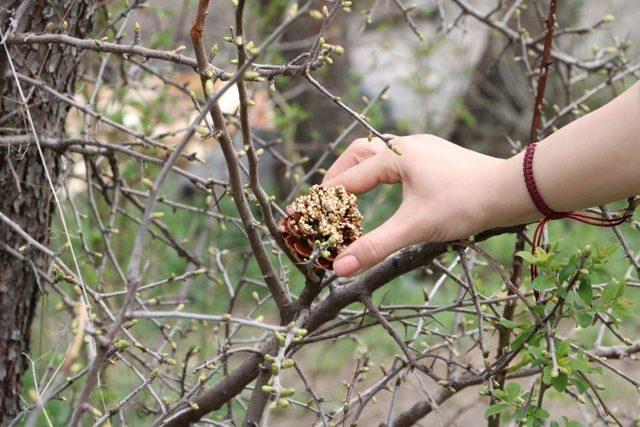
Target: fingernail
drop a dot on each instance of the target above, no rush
(346, 266)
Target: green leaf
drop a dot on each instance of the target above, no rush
(542, 283)
(585, 291)
(580, 384)
(563, 348)
(579, 365)
(569, 423)
(539, 413)
(508, 324)
(605, 251)
(623, 306)
(546, 374)
(567, 271)
(496, 409)
(612, 292)
(536, 352)
(500, 394)
(560, 382)
(584, 318)
(527, 256)
(513, 390)
(543, 257)
(539, 310)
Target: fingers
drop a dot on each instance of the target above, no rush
(360, 168)
(379, 169)
(398, 232)
(357, 152)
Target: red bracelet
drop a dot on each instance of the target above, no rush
(550, 214)
(532, 188)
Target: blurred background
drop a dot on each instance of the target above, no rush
(464, 81)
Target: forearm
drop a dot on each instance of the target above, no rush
(592, 161)
(450, 192)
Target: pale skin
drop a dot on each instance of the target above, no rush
(450, 192)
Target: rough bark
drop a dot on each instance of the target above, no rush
(25, 196)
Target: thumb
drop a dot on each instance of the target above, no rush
(396, 233)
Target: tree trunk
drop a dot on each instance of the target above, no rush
(25, 195)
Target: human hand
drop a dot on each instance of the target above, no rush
(448, 193)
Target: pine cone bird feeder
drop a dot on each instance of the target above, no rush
(321, 224)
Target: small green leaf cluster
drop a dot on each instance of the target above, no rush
(512, 399)
(565, 290)
(571, 281)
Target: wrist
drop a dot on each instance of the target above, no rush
(508, 199)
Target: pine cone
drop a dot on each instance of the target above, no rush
(321, 224)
